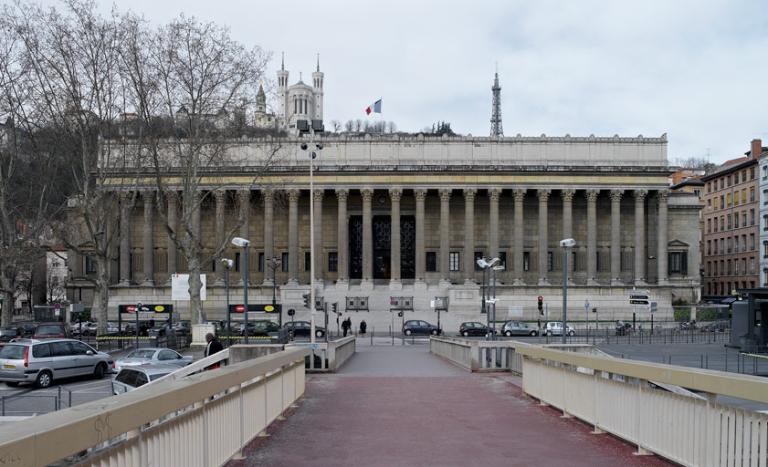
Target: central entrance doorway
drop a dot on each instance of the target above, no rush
(382, 247)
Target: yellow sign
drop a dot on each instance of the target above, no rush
(159, 308)
(269, 308)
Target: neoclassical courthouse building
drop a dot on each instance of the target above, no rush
(407, 216)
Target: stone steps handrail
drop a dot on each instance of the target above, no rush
(46, 439)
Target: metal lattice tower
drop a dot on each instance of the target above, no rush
(496, 128)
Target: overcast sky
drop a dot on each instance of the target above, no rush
(695, 70)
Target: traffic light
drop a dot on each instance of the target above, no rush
(306, 301)
(541, 305)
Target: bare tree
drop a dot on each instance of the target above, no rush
(199, 68)
(75, 94)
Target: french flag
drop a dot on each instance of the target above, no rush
(375, 108)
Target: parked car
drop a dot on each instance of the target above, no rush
(86, 328)
(52, 331)
(28, 327)
(555, 328)
(132, 377)
(182, 328)
(7, 333)
(303, 328)
(717, 326)
(42, 362)
(622, 328)
(262, 327)
(153, 355)
(518, 328)
(473, 328)
(415, 326)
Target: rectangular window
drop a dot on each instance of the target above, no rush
(478, 255)
(90, 265)
(503, 259)
(752, 241)
(744, 196)
(728, 221)
(333, 261)
(722, 223)
(453, 261)
(678, 262)
(729, 181)
(709, 247)
(526, 261)
(730, 267)
(550, 261)
(736, 267)
(751, 217)
(307, 261)
(284, 262)
(751, 173)
(736, 220)
(744, 219)
(765, 249)
(261, 261)
(431, 263)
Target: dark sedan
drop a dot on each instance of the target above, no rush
(473, 328)
(418, 327)
(262, 327)
(303, 328)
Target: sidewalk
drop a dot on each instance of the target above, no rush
(401, 406)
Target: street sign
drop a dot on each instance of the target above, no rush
(541, 298)
(654, 307)
(160, 308)
(638, 298)
(256, 307)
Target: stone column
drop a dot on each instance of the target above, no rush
(445, 226)
(317, 198)
(171, 199)
(518, 237)
(592, 236)
(367, 195)
(268, 196)
(293, 236)
(493, 220)
(567, 196)
(616, 237)
(661, 259)
(420, 195)
(469, 234)
(395, 194)
(148, 239)
(543, 237)
(125, 238)
(640, 236)
(220, 196)
(343, 237)
(244, 201)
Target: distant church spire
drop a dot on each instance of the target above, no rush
(496, 128)
(318, 62)
(282, 61)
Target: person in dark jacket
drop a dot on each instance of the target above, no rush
(214, 346)
(345, 326)
(363, 327)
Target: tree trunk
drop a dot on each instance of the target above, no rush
(101, 295)
(7, 312)
(195, 284)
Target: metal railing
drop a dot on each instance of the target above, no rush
(624, 398)
(200, 420)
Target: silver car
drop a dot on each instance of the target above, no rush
(153, 355)
(518, 328)
(132, 377)
(41, 362)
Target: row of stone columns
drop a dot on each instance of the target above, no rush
(342, 195)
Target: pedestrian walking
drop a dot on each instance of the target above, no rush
(363, 327)
(345, 326)
(214, 346)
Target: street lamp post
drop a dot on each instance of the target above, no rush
(243, 243)
(274, 263)
(566, 244)
(493, 291)
(485, 265)
(312, 155)
(228, 263)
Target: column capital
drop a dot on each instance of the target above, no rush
(294, 194)
(445, 194)
(616, 195)
(519, 194)
(568, 195)
(469, 194)
(395, 194)
(219, 195)
(662, 195)
(592, 195)
(268, 194)
(543, 194)
(318, 194)
(420, 194)
(494, 193)
(342, 194)
(367, 194)
(640, 195)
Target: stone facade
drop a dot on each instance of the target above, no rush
(408, 216)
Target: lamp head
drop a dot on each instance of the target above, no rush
(482, 263)
(240, 242)
(228, 263)
(568, 243)
(493, 262)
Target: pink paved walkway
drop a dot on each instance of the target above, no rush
(369, 415)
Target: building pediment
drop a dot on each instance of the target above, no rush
(677, 244)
